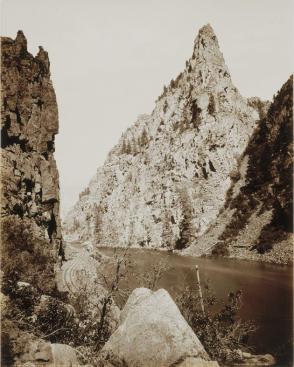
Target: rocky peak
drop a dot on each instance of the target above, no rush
(207, 63)
(206, 45)
(42, 56)
(166, 179)
(21, 41)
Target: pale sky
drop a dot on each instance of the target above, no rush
(111, 58)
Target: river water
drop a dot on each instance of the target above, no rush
(267, 289)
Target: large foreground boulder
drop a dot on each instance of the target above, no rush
(152, 332)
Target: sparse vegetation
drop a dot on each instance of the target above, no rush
(151, 278)
(220, 331)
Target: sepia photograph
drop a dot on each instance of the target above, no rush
(146, 183)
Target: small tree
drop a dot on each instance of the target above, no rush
(94, 300)
(128, 148)
(211, 105)
(185, 226)
(167, 233)
(151, 278)
(144, 138)
(98, 222)
(124, 147)
(196, 114)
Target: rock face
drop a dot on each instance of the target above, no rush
(165, 182)
(29, 122)
(267, 194)
(256, 221)
(152, 332)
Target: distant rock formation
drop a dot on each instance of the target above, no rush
(165, 182)
(29, 122)
(152, 332)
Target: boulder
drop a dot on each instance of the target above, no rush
(152, 332)
(197, 362)
(36, 351)
(64, 355)
(257, 360)
(39, 352)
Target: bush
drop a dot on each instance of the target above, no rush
(220, 331)
(220, 249)
(211, 105)
(25, 256)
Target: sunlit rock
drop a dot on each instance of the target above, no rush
(152, 332)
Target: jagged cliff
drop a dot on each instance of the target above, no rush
(29, 122)
(30, 222)
(165, 182)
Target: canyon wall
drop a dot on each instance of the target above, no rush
(29, 123)
(257, 219)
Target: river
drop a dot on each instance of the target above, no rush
(266, 288)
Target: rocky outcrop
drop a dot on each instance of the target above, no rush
(29, 122)
(152, 332)
(165, 182)
(30, 223)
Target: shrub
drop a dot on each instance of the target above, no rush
(211, 105)
(6, 350)
(220, 331)
(25, 256)
(220, 249)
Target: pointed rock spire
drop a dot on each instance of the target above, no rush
(21, 41)
(43, 57)
(206, 33)
(206, 46)
(207, 61)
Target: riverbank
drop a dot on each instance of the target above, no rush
(277, 256)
